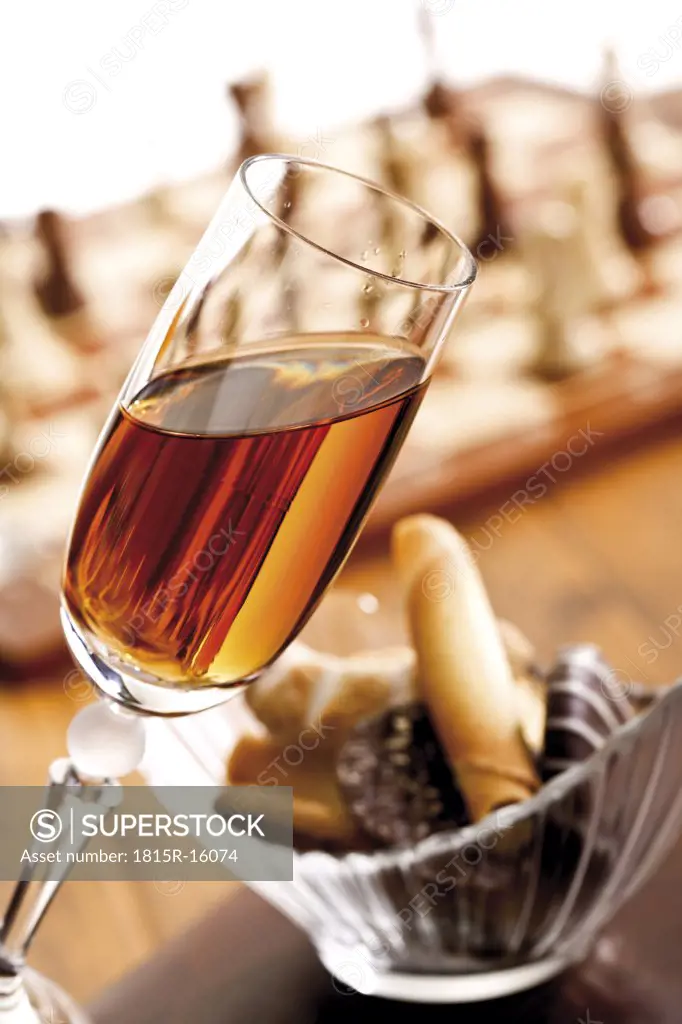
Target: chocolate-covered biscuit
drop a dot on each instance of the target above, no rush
(396, 779)
(586, 703)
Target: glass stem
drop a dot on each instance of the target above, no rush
(15, 1006)
(40, 883)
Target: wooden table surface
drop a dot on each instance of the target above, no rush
(599, 557)
(245, 963)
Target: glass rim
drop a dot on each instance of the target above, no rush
(471, 267)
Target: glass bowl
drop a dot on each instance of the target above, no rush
(476, 912)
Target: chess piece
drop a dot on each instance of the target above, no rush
(252, 99)
(559, 356)
(31, 561)
(38, 373)
(56, 290)
(396, 173)
(289, 207)
(41, 376)
(493, 228)
(561, 257)
(613, 111)
(395, 169)
(441, 102)
(605, 271)
(610, 272)
(286, 248)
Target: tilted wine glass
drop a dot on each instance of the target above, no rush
(246, 447)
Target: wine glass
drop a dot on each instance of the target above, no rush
(253, 432)
(248, 443)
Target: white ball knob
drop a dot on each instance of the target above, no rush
(104, 742)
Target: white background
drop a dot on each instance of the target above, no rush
(76, 135)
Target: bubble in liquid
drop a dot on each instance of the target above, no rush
(287, 205)
(377, 251)
(364, 255)
(398, 268)
(364, 322)
(368, 603)
(368, 288)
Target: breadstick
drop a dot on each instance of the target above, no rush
(464, 672)
(531, 695)
(520, 651)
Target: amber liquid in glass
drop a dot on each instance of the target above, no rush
(226, 496)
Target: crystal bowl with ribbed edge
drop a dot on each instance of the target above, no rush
(481, 911)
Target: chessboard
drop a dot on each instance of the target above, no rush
(570, 339)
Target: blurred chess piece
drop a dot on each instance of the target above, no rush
(615, 119)
(33, 529)
(39, 373)
(441, 102)
(290, 202)
(252, 97)
(285, 250)
(395, 170)
(657, 151)
(493, 228)
(573, 291)
(658, 148)
(55, 288)
(606, 270)
(439, 163)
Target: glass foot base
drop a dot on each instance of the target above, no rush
(353, 975)
(136, 691)
(35, 1000)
